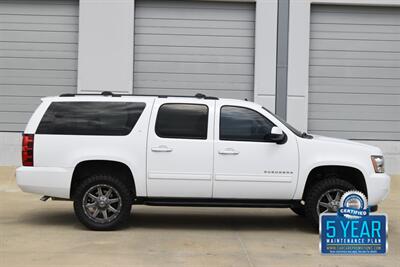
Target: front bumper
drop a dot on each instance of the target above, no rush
(49, 181)
(378, 185)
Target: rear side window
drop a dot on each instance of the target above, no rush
(90, 118)
(186, 121)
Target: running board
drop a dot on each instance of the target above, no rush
(44, 198)
(210, 202)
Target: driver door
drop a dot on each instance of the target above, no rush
(247, 164)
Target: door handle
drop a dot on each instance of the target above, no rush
(161, 149)
(228, 151)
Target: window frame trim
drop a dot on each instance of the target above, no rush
(253, 141)
(178, 137)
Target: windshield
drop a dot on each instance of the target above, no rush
(290, 127)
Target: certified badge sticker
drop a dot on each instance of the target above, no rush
(353, 205)
(353, 230)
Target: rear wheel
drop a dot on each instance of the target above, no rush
(324, 197)
(102, 202)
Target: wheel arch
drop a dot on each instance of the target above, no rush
(350, 174)
(86, 168)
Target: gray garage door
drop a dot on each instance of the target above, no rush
(185, 47)
(38, 56)
(355, 72)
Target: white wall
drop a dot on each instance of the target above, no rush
(299, 32)
(105, 59)
(10, 149)
(265, 53)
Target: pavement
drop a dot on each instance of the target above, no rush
(35, 233)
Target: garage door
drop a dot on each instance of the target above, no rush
(355, 72)
(186, 47)
(38, 56)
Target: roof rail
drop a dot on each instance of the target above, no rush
(198, 95)
(104, 93)
(109, 93)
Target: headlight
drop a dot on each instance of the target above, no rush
(378, 163)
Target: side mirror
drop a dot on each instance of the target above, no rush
(277, 135)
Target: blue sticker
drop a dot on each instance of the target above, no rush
(353, 230)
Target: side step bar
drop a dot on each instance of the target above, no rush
(205, 202)
(44, 198)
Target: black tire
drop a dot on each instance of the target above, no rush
(317, 191)
(119, 210)
(299, 210)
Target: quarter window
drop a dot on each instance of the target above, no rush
(243, 124)
(186, 121)
(90, 118)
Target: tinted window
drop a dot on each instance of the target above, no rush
(90, 118)
(187, 121)
(243, 124)
(294, 130)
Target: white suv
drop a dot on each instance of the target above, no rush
(106, 152)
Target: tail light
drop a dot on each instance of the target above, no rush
(27, 149)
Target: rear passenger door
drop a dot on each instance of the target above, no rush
(180, 148)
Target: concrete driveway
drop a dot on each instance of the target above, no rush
(35, 233)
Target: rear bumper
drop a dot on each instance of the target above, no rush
(378, 185)
(49, 181)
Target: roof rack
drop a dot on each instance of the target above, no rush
(108, 93)
(104, 93)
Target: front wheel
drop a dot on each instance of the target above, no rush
(324, 197)
(102, 202)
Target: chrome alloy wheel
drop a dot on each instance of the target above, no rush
(102, 203)
(329, 201)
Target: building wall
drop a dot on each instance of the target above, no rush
(39, 54)
(106, 34)
(298, 81)
(106, 56)
(10, 147)
(106, 59)
(190, 47)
